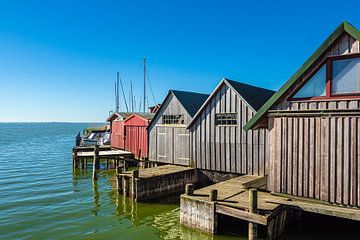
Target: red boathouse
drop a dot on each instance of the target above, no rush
(136, 135)
(117, 129)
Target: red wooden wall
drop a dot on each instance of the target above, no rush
(117, 134)
(136, 135)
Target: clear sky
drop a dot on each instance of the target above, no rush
(58, 59)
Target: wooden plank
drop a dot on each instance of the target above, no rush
(317, 173)
(339, 160)
(333, 150)
(324, 159)
(346, 168)
(353, 164)
(296, 148)
(311, 171)
(241, 214)
(302, 156)
(306, 159)
(290, 151)
(320, 208)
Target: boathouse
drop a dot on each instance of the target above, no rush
(218, 141)
(136, 135)
(169, 140)
(117, 129)
(314, 124)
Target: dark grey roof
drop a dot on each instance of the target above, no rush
(191, 101)
(255, 96)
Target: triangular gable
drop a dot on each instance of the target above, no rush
(343, 27)
(191, 101)
(252, 96)
(188, 100)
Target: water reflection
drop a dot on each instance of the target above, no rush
(96, 205)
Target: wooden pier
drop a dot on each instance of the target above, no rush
(95, 154)
(245, 198)
(236, 198)
(150, 183)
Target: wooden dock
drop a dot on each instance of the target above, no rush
(95, 154)
(150, 183)
(246, 198)
(199, 209)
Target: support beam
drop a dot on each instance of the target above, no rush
(252, 209)
(95, 162)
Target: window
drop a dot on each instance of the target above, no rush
(173, 119)
(226, 119)
(315, 87)
(339, 76)
(345, 76)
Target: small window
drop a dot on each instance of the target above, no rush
(173, 119)
(345, 76)
(226, 119)
(315, 87)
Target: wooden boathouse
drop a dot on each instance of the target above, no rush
(169, 140)
(117, 129)
(218, 141)
(136, 134)
(314, 124)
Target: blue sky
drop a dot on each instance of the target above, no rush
(58, 59)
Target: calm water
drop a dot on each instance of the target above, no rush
(41, 198)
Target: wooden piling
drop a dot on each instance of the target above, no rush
(135, 175)
(213, 195)
(252, 208)
(125, 186)
(95, 162)
(189, 189)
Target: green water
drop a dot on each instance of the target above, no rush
(41, 198)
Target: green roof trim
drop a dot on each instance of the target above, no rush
(343, 27)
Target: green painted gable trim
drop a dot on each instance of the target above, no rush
(343, 27)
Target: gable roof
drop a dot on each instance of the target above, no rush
(343, 27)
(191, 101)
(117, 115)
(145, 115)
(253, 96)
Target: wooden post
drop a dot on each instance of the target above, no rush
(213, 195)
(252, 208)
(139, 154)
(125, 185)
(189, 189)
(95, 162)
(135, 175)
(118, 179)
(107, 163)
(86, 163)
(73, 158)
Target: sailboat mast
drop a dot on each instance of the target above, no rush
(144, 84)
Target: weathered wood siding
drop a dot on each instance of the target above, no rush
(316, 157)
(228, 148)
(315, 144)
(170, 143)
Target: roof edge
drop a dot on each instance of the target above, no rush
(343, 27)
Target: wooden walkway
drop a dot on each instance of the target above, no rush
(108, 153)
(157, 171)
